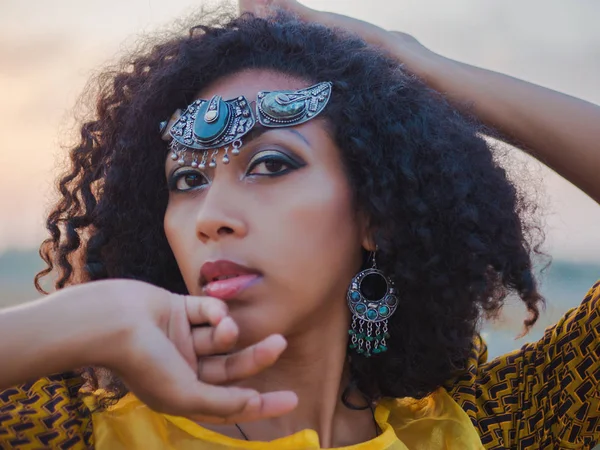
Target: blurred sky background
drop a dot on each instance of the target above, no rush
(50, 48)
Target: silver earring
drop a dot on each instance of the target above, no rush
(372, 299)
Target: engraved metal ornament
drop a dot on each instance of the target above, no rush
(208, 125)
(371, 310)
(214, 123)
(276, 109)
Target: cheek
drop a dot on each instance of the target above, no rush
(315, 234)
(179, 226)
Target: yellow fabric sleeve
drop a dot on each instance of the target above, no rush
(45, 414)
(545, 395)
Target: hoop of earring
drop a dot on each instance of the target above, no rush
(372, 299)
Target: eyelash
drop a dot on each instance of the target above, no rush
(174, 179)
(278, 158)
(273, 157)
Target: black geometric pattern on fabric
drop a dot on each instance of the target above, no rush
(545, 395)
(45, 414)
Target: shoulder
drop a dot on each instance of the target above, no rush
(575, 323)
(524, 395)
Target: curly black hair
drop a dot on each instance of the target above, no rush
(453, 231)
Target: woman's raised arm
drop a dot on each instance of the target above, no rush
(161, 345)
(561, 131)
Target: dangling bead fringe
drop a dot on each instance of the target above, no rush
(213, 159)
(368, 343)
(174, 149)
(236, 147)
(225, 156)
(178, 153)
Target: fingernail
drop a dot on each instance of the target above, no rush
(218, 313)
(278, 338)
(229, 322)
(254, 402)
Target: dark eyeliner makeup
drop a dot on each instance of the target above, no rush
(281, 157)
(273, 156)
(181, 173)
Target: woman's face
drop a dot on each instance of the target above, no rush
(282, 209)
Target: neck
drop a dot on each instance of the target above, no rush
(314, 366)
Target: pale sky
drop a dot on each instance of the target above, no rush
(49, 48)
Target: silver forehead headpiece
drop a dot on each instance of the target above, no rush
(216, 123)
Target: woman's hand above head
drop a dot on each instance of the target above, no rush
(561, 131)
(173, 352)
(401, 46)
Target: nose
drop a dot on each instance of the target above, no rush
(220, 214)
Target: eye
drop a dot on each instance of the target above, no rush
(271, 163)
(186, 180)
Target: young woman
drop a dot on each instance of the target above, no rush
(274, 235)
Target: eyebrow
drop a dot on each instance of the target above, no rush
(259, 130)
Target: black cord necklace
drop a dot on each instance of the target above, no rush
(370, 407)
(241, 431)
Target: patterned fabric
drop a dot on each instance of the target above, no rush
(543, 396)
(47, 413)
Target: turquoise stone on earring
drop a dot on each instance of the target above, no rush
(382, 336)
(384, 311)
(379, 349)
(372, 299)
(391, 300)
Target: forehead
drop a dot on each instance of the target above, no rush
(248, 83)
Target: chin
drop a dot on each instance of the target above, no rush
(255, 325)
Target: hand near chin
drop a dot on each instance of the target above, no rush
(174, 356)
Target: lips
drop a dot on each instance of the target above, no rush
(225, 279)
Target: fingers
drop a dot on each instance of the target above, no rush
(203, 310)
(160, 377)
(252, 6)
(264, 8)
(242, 364)
(367, 31)
(255, 407)
(215, 340)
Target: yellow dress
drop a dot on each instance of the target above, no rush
(544, 396)
(435, 423)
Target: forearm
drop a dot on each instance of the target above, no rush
(561, 131)
(51, 335)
